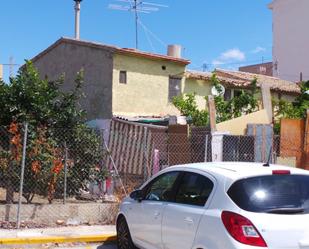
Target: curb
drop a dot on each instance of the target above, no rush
(58, 239)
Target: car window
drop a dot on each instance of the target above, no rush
(194, 189)
(160, 189)
(272, 193)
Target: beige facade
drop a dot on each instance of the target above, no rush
(118, 81)
(201, 88)
(146, 92)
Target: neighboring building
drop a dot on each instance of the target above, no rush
(129, 83)
(263, 68)
(234, 81)
(1, 71)
(118, 81)
(290, 39)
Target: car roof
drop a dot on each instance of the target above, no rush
(238, 170)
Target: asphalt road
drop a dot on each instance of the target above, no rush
(63, 246)
(87, 246)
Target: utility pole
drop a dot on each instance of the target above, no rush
(77, 19)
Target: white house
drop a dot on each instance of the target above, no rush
(290, 39)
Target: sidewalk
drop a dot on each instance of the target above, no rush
(58, 235)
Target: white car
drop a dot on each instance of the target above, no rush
(218, 206)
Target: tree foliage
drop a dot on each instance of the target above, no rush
(186, 104)
(38, 101)
(55, 122)
(244, 103)
(296, 109)
(291, 110)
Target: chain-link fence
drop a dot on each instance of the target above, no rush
(74, 176)
(53, 176)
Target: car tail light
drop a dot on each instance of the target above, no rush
(242, 229)
(281, 172)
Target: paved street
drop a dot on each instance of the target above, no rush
(64, 246)
(88, 246)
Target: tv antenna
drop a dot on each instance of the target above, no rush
(136, 6)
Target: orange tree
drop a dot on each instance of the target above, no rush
(54, 120)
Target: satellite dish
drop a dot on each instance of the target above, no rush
(215, 92)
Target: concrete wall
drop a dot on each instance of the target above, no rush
(49, 214)
(291, 38)
(201, 88)
(97, 64)
(238, 126)
(146, 91)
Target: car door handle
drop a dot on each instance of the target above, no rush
(189, 220)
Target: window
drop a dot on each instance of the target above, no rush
(237, 93)
(274, 194)
(194, 189)
(123, 77)
(174, 88)
(160, 189)
(227, 94)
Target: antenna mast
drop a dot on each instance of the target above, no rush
(136, 24)
(136, 6)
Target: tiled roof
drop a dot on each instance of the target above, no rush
(243, 80)
(114, 49)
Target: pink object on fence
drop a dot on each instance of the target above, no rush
(108, 183)
(156, 162)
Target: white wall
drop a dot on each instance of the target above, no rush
(291, 38)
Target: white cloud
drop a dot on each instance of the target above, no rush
(232, 55)
(258, 49)
(217, 62)
(229, 56)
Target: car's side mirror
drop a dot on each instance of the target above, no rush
(137, 195)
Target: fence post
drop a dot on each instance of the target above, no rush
(206, 149)
(22, 174)
(114, 166)
(65, 173)
(145, 161)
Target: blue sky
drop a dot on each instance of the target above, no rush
(220, 33)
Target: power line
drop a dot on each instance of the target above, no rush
(148, 39)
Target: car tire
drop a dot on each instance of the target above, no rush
(124, 240)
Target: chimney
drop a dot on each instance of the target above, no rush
(77, 19)
(174, 51)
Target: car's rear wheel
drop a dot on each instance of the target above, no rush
(124, 240)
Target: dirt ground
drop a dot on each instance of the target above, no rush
(43, 200)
